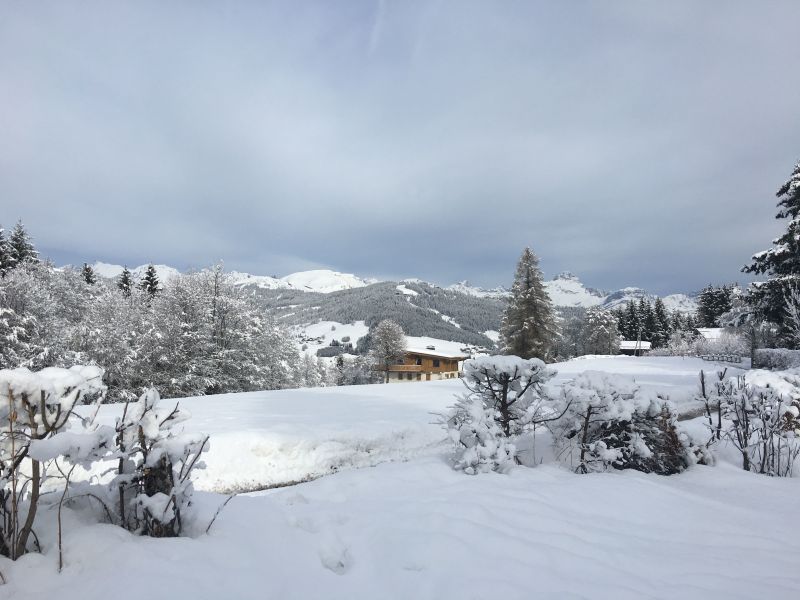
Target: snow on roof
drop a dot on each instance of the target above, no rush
(437, 353)
(633, 345)
(710, 333)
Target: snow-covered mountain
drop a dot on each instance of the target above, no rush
(109, 271)
(323, 281)
(565, 289)
(319, 280)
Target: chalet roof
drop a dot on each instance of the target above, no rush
(436, 353)
(633, 345)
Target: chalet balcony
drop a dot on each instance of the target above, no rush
(406, 368)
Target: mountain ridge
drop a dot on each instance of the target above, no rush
(566, 290)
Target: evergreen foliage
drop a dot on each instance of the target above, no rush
(712, 303)
(528, 328)
(88, 274)
(781, 262)
(125, 282)
(149, 282)
(6, 260)
(600, 332)
(20, 246)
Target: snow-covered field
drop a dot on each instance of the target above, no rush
(414, 528)
(263, 439)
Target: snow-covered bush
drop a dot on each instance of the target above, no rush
(39, 426)
(761, 419)
(480, 443)
(610, 423)
(155, 464)
(48, 429)
(504, 399)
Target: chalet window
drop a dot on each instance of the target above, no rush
(409, 375)
(418, 362)
(401, 361)
(419, 376)
(436, 362)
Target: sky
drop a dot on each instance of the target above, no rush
(632, 143)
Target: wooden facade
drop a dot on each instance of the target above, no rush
(427, 365)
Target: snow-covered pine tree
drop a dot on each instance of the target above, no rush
(601, 335)
(149, 282)
(6, 260)
(20, 245)
(388, 346)
(662, 326)
(125, 283)
(87, 272)
(633, 320)
(781, 263)
(645, 310)
(528, 328)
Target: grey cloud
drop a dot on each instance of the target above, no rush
(630, 142)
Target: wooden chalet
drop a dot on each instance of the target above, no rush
(426, 365)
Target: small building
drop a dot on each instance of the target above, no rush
(426, 365)
(710, 334)
(633, 347)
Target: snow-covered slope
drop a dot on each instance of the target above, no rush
(324, 281)
(463, 287)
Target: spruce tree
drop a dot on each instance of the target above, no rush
(781, 263)
(150, 282)
(20, 245)
(633, 321)
(662, 326)
(125, 284)
(6, 260)
(88, 274)
(528, 328)
(646, 319)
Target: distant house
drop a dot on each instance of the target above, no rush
(426, 365)
(711, 334)
(633, 347)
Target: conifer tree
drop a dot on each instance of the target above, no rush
(125, 283)
(88, 274)
(662, 326)
(646, 319)
(633, 321)
(601, 332)
(528, 328)
(20, 245)
(150, 283)
(781, 263)
(6, 260)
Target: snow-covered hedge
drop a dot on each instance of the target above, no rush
(777, 359)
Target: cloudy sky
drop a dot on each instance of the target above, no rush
(634, 143)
